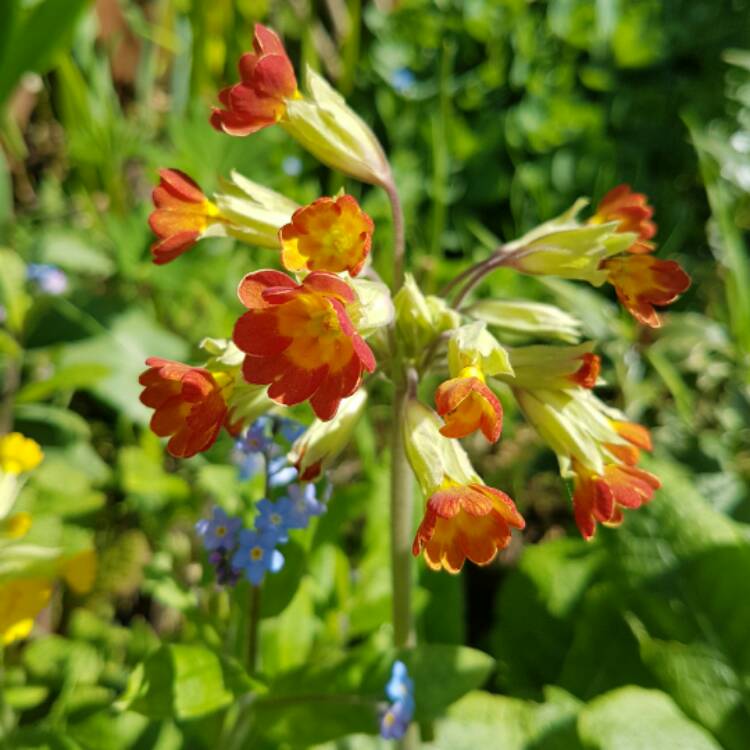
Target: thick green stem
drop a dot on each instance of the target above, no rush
(402, 500)
(402, 483)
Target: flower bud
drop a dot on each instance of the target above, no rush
(323, 123)
(420, 318)
(472, 345)
(527, 318)
(554, 367)
(253, 213)
(566, 248)
(323, 441)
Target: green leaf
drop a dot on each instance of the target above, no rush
(442, 674)
(177, 681)
(537, 602)
(51, 424)
(36, 38)
(636, 719)
(24, 697)
(492, 721)
(71, 378)
(133, 338)
(13, 289)
(72, 253)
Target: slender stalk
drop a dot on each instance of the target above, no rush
(497, 260)
(252, 630)
(11, 385)
(399, 243)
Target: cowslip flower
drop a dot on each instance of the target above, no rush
(21, 600)
(330, 234)
(181, 215)
(299, 340)
(220, 531)
(243, 210)
(190, 404)
(19, 454)
(633, 214)
(15, 526)
(467, 404)
(320, 121)
(642, 281)
(464, 518)
(597, 448)
(554, 367)
(257, 555)
(79, 570)
(267, 81)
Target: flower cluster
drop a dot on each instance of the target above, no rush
(235, 550)
(318, 317)
(48, 278)
(398, 715)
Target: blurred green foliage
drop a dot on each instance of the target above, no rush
(497, 114)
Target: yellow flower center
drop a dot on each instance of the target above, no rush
(256, 553)
(275, 519)
(472, 372)
(221, 530)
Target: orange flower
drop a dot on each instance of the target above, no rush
(632, 211)
(623, 484)
(189, 403)
(602, 497)
(467, 404)
(180, 217)
(299, 340)
(331, 234)
(267, 80)
(642, 281)
(465, 521)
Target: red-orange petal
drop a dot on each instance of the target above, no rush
(467, 405)
(642, 281)
(465, 522)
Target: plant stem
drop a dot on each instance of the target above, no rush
(474, 275)
(401, 521)
(399, 244)
(402, 483)
(252, 630)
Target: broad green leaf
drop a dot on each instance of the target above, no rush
(36, 38)
(537, 604)
(177, 681)
(484, 720)
(25, 697)
(13, 295)
(69, 378)
(133, 337)
(72, 253)
(636, 719)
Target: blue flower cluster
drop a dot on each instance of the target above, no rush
(234, 550)
(400, 691)
(48, 278)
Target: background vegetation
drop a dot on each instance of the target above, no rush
(497, 114)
